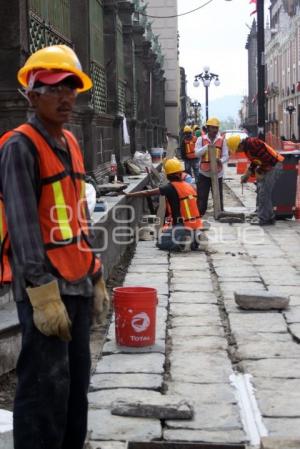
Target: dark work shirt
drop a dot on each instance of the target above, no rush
(172, 197)
(258, 154)
(21, 187)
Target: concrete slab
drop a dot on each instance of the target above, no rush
(193, 321)
(108, 445)
(111, 380)
(104, 426)
(279, 443)
(203, 344)
(287, 428)
(295, 330)
(292, 315)
(195, 286)
(110, 347)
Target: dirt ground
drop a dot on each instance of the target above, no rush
(98, 333)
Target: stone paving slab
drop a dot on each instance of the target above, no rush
(295, 330)
(110, 347)
(209, 436)
(193, 297)
(210, 416)
(131, 363)
(108, 445)
(283, 428)
(279, 443)
(292, 315)
(236, 271)
(257, 322)
(193, 310)
(111, 380)
(191, 276)
(266, 346)
(105, 426)
(278, 397)
(146, 270)
(204, 320)
(204, 344)
(273, 368)
(196, 331)
(206, 368)
(218, 393)
(204, 285)
(104, 398)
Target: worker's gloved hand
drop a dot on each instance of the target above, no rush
(49, 312)
(244, 178)
(259, 174)
(101, 302)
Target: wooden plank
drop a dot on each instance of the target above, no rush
(214, 180)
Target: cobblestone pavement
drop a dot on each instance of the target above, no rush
(202, 337)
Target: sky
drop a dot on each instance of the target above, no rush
(216, 36)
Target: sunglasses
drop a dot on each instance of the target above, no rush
(56, 91)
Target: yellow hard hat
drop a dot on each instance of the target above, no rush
(173, 166)
(55, 57)
(187, 129)
(195, 127)
(233, 143)
(213, 121)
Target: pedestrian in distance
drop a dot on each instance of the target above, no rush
(187, 150)
(47, 255)
(266, 165)
(182, 218)
(213, 137)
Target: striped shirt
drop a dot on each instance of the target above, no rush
(258, 154)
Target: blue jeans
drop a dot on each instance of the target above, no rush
(192, 165)
(50, 408)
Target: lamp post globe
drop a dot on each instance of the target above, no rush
(206, 77)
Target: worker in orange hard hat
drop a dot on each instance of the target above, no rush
(56, 277)
(182, 214)
(213, 137)
(187, 150)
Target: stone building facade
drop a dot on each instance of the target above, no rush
(250, 119)
(163, 15)
(114, 44)
(283, 68)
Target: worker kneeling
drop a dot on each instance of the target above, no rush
(182, 224)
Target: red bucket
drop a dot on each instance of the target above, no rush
(135, 315)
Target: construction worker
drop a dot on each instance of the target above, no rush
(187, 149)
(182, 218)
(196, 131)
(213, 137)
(266, 165)
(55, 273)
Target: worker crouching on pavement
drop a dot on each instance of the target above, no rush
(56, 277)
(266, 165)
(187, 150)
(213, 137)
(182, 218)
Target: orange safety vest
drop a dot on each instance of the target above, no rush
(189, 211)
(189, 146)
(62, 211)
(205, 163)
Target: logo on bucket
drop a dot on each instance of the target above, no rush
(140, 322)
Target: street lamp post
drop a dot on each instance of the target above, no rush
(206, 77)
(196, 105)
(290, 109)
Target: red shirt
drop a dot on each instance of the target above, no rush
(258, 153)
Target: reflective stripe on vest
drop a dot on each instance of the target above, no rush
(205, 163)
(190, 148)
(61, 209)
(188, 204)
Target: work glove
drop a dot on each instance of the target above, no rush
(101, 304)
(49, 312)
(244, 178)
